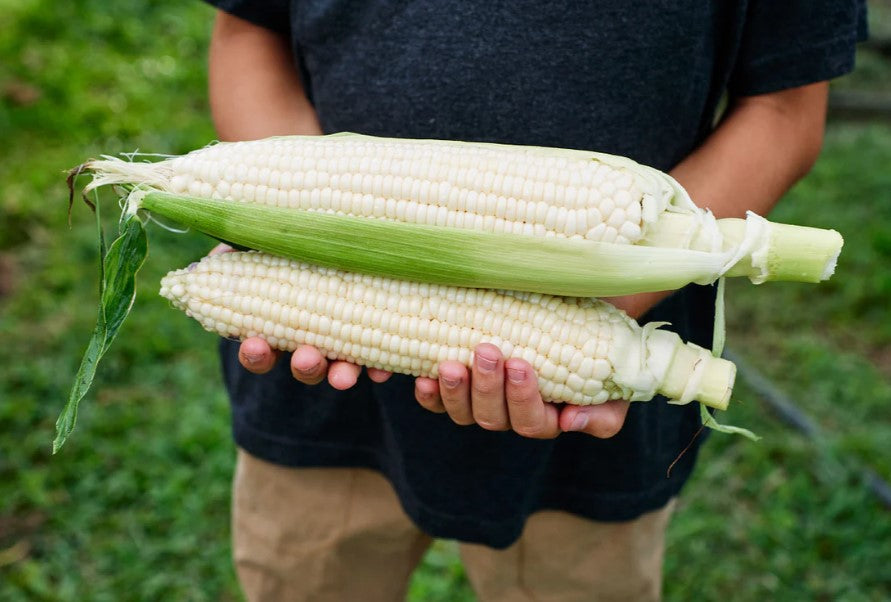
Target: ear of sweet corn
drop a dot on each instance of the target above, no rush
(499, 188)
(489, 189)
(584, 351)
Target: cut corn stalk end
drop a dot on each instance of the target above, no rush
(801, 253)
(782, 252)
(754, 247)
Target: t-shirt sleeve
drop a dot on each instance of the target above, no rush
(791, 43)
(271, 14)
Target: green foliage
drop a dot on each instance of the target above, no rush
(441, 577)
(135, 507)
(117, 293)
(790, 518)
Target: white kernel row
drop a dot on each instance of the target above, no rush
(399, 326)
(447, 184)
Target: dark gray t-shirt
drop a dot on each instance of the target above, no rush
(641, 79)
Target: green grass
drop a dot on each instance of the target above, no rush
(136, 505)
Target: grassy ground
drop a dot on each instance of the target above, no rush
(136, 507)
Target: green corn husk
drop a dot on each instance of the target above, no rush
(440, 255)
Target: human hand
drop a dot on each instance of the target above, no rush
(501, 395)
(497, 394)
(308, 365)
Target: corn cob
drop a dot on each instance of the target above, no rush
(462, 185)
(545, 193)
(583, 350)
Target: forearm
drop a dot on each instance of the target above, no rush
(759, 150)
(255, 88)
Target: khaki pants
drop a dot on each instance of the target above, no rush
(339, 534)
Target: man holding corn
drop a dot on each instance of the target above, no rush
(343, 477)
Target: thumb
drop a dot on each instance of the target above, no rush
(603, 421)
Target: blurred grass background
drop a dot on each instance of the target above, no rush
(136, 506)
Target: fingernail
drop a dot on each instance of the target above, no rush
(252, 359)
(451, 383)
(579, 422)
(486, 364)
(516, 375)
(311, 370)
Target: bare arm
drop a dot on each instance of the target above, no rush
(255, 89)
(762, 147)
(256, 92)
